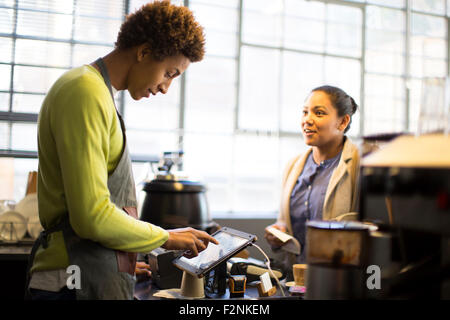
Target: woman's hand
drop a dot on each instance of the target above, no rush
(271, 239)
(192, 240)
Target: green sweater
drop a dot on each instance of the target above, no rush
(80, 143)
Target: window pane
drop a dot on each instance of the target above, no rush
(430, 6)
(6, 20)
(5, 71)
(221, 44)
(430, 26)
(5, 49)
(145, 142)
(28, 103)
(65, 6)
(390, 3)
(96, 29)
(248, 148)
(415, 91)
(4, 101)
(429, 47)
(259, 89)
(300, 74)
(100, 8)
(289, 148)
(343, 39)
(42, 53)
(228, 3)
(385, 19)
(159, 112)
(137, 4)
(256, 186)
(344, 30)
(85, 54)
(380, 115)
(296, 38)
(7, 3)
(383, 62)
(300, 16)
(262, 22)
(35, 79)
(385, 41)
(305, 9)
(14, 177)
(41, 24)
(216, 18)
(424, 67)
(355, 126)
(384, 86)
(220, 26)
(211, 95)
(384, 104)
(345, 74)
(209, 158)
(4, 135)
(24, 136)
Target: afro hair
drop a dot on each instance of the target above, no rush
(167, 29)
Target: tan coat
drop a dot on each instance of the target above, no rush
(341, 198)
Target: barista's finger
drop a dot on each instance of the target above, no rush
(200, 245)
(205, 237)
(193, 249)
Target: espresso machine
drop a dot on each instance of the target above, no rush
(403, 232)
(405, 191)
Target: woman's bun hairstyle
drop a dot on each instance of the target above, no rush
(343, 103)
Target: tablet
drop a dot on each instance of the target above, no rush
(231, 242)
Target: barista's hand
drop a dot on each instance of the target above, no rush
(271, 239)
(142, 269)
(194, 241)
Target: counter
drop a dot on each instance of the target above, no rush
(146, 289)
(14, 261)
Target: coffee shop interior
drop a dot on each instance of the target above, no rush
(210, 154)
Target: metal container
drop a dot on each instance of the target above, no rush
(172, 203)
(337, 259)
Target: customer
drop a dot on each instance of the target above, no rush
(86, 190)
(322, 183)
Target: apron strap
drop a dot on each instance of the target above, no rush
(42, 239)
(104, 72)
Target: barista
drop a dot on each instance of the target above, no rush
(320, 184)
(86, 191)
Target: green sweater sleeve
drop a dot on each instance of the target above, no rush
(81, 127)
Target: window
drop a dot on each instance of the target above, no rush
(235, 114)
(40, 40)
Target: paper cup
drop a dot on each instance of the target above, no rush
(299, 271)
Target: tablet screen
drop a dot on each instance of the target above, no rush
(213, 253)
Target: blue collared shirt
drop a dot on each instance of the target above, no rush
(308, 196)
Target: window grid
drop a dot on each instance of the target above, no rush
(10, 117)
